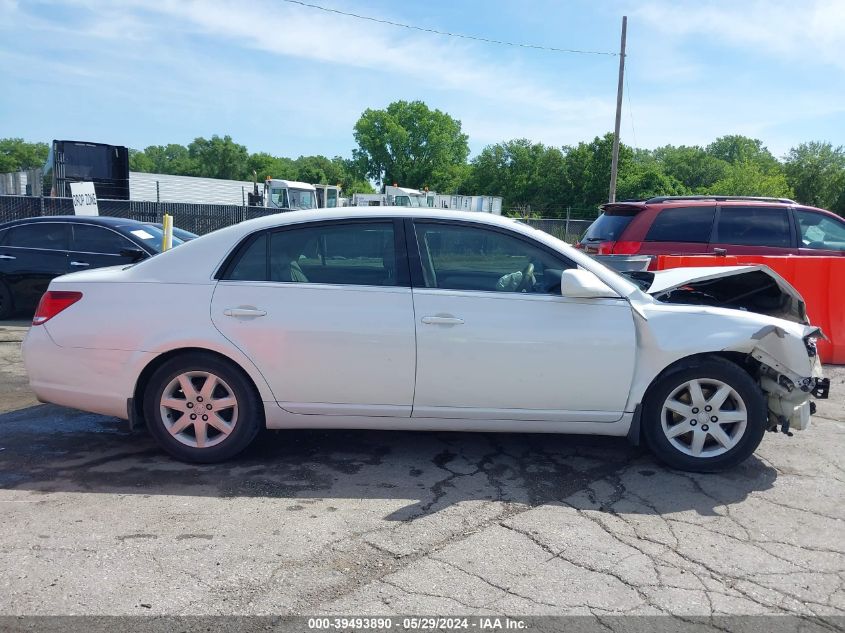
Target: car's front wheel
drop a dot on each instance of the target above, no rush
(704, 416)
(200, 408)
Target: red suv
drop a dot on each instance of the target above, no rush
(710, 224)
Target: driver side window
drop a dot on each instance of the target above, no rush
(463, 257)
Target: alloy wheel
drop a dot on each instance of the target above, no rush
(199, 409)
(704, 417)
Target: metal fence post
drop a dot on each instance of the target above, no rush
(566, 229)
(158, 196)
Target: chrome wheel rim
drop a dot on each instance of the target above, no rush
(199, 409)
(704, 418)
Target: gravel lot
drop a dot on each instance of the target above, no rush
(95, 520)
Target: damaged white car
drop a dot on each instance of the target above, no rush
(393, 318)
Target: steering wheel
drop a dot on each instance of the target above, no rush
(528, 280)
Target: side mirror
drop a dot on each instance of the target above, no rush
(135, 254)
(582, 284)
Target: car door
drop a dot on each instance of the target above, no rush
(32, 255)
(496, 340)
(820, 233)
(754, 230)
(324, 310)
(94, 246)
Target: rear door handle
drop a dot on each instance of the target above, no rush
(244, 312)
(7, 257)
(442, 320)
(80, 264)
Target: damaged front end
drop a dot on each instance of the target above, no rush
(788, 379)
(783, 357)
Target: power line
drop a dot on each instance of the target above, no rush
(463, 36)
(630, 110)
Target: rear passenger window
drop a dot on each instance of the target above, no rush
(682, 224)
(359, 253)
(252, 264)
(348, 254)
(88, 238)
(44, 235)
(754, 226)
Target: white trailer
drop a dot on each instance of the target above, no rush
(170, 188)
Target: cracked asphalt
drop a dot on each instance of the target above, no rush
(95, 520)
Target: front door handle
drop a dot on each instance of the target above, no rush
(442, 320)
(80, 264)
(244, 312)
(7, 257)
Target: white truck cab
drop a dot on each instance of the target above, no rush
(289, 194)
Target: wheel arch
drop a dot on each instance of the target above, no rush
(146, 373)
(739, 359)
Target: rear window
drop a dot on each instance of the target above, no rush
(42, 235)
(682, 224)
(609, 225)
(754, 226)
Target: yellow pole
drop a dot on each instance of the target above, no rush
(167, 232)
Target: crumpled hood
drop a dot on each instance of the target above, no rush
(754, 288)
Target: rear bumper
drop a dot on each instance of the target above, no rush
(95, 380)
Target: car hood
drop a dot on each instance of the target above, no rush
(751, 288)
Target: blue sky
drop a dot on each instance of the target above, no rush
(290, 80)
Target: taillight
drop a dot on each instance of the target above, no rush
(627, 248)
(619, 248)
(52, 302)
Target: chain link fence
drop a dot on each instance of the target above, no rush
(196, 218)
(204, 218)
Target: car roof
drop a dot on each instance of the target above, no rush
(103, 220)
(699, 201)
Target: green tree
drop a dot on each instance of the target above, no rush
(409, 143)
(588, 170)
(816, 172)
(736, 148)
(219, 158)
(139, 161)
(17, 155)
(166, 159)
(694, 167)
(748, 178)
(268, 166)
(527, 175)
(645, 181)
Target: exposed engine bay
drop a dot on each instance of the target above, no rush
(750, 288)
(788, 374)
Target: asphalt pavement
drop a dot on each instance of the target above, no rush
(94, 519)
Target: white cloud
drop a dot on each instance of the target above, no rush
(804, 30)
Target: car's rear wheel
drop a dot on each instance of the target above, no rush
(200, 408)
(6, 306)
(704, 416)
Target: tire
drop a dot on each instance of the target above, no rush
(683, 434)
(228, 413)
(7, 307)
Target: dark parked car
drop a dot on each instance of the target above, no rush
(35, 250)
(709, 224)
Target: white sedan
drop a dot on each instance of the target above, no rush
(393, 318)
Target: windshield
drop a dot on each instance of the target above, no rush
(302, 199)
(150, 235)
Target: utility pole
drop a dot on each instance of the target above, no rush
(614, 165)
